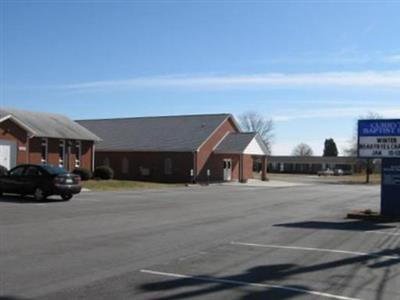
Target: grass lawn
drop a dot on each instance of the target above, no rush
(350, 179)
(110, 185)
(360, 178)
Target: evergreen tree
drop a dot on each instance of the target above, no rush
(330, 148)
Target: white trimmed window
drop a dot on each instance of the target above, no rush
(78, 153)
(61, 153)
(168, 166)
(44, 151)
(125, 166)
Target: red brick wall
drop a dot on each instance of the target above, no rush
(216, 161)
(182, 162)
(216, 165)
(247, 167)
(206, 150)
(87, 155)
(53, 153)
(181, 165)
(11, 132)
(35, 151)
(32, 153)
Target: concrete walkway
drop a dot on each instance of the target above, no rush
(259, 183)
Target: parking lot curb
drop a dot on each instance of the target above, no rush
(368, 215)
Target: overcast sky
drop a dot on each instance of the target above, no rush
(312, 67)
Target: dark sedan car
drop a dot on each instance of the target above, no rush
(40, 181)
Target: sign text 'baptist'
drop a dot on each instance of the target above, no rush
(379, 138)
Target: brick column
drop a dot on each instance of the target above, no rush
(264, 169)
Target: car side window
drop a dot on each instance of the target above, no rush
(17, 171)
(32, 171)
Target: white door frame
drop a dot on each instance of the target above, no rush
(227, 169)
(10, 161)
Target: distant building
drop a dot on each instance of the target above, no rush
(312, 164)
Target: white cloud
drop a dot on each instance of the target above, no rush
(346, 56)
(392, 58)
(354, 112)
(364, 79)
(319, 60)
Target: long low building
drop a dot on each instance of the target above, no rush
(312, 164)
(177, 148)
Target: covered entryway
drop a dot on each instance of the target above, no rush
(237, 153)
(8, 154)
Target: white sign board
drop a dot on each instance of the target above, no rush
(379, 138)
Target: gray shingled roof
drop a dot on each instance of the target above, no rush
(169, 133)
(49, 125)
(235, 142)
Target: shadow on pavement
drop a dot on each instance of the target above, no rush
(203, 285)
(348, 225)
(11, 298)
(26, 199)
(212, 284)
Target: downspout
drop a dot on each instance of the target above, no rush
(28, 148)
(68, 156)
(194, 166)
(241, 168)
(93, 154)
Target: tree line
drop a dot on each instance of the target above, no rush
(255, 122)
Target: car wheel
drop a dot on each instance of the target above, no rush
(66, 197)
(39, 194)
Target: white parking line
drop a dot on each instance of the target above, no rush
(384, 232)
(251, 284)
(317, 250)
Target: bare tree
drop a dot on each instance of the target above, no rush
(302, 150)
(352, 150)
(254, 122)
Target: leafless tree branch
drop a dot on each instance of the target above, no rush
(254, 122)
(302, 150)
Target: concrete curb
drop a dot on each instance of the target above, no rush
(371, 216)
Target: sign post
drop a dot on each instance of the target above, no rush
(381, 139)
(390, 199)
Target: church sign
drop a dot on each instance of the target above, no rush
(379, 138)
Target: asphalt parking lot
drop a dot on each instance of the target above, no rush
(217, 242)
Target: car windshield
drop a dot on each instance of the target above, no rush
(54, 170)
